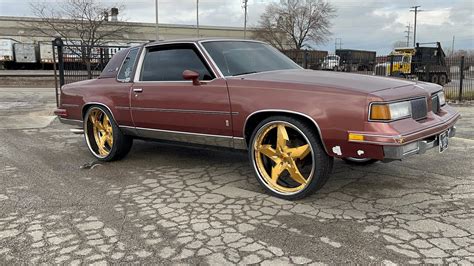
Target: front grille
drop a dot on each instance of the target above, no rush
(419, 108)
(435, 104)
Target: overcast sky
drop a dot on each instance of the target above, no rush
(367, 24)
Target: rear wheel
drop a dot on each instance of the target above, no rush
(443, 79)
(434, 78)
(288, 158)
(104, 138)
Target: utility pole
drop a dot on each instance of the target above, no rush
(416, 10)
(338, 41)
(197, 17)
(452, 47)
(245, 17)
(408, 34)
(157, 29)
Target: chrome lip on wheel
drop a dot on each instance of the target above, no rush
(280, 159)
(99, 128)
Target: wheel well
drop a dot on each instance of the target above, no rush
(254, 120)
(89, 105)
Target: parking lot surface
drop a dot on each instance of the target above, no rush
(170, 204)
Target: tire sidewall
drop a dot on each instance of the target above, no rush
(317, 152)
(116, 133)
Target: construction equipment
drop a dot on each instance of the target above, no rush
(424, 63)
(355, 60)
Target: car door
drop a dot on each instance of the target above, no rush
(164, 105)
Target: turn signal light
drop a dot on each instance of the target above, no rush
(356, 137)
(380, 112)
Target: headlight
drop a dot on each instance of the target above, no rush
(390, 111)
(441, 98)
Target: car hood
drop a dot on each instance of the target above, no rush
(329, 79)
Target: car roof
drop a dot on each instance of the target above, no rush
(196, 40)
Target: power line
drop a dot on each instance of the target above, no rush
(416, 10)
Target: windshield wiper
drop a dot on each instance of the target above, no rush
(245, 73)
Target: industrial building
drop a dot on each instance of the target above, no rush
(20, 30)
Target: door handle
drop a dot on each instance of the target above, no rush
(137, 90)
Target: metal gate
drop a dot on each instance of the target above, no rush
(76, 62)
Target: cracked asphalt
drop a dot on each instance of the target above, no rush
(168, 204)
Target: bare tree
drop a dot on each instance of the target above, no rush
(82, 22)
(294, 24)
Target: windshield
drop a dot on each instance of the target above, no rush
(397, 58)
(243, 57)
(332, 57)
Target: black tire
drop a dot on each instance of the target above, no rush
(434, 78)
(121, 143)
(321, 166)
(443, 79)
(357, 161)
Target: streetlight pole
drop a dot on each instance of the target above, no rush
(197, 17)
(157, 29)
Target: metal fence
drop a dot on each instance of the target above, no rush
(455, 74)
(76, 62)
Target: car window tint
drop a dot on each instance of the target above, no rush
(127, 65)
(169, 64)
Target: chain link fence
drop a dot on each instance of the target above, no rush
(455, 74)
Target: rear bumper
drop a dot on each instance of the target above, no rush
(416, 147)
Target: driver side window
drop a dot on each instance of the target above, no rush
(167, 63)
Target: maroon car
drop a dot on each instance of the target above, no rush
(247, 95)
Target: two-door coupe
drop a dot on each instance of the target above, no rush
(247, 95)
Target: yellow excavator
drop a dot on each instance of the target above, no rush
(423, 63)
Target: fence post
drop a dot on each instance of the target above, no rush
(461, 78)
(55, 73)
(306, 54)
(58, 42)
(391, 65)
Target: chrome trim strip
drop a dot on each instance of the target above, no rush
(163, 110)
(187, 137)
(97, 103)
(69, 105)
(72, 122)
(122, 108)
(289, 112)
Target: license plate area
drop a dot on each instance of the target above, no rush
(443, 141)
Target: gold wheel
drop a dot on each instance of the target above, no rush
(101, 131)
(283, 157)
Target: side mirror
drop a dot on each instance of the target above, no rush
(191, 75)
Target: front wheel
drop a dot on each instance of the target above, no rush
(103, 136)
(288, 158)
(359, 161)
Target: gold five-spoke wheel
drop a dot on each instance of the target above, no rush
(103, 132)
(283, 157)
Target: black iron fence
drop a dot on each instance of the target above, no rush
(76, 62)
(455, 74)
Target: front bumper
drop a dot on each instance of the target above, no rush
(416, 147)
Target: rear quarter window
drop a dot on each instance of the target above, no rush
(126, 70)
